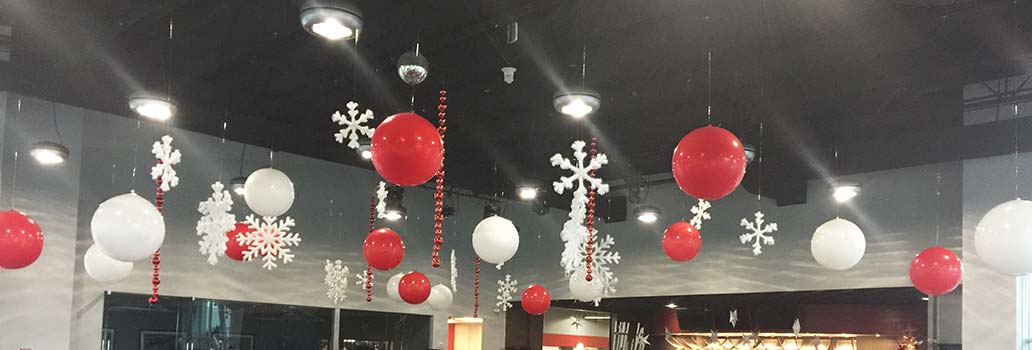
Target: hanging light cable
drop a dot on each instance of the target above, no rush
(47, 152)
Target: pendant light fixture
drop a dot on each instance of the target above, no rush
(154, 106)
(236, 184)
(331, 19)
(47, 152)
(578, 101)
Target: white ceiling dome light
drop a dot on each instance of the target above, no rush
(49, 153)
(331, 19)
(577, 102)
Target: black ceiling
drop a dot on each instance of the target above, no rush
(878, 80)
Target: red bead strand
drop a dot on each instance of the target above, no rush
(369, 269)
(159, 203)
(439, 194)
(590, 224)
(369, 285)
(476, 287)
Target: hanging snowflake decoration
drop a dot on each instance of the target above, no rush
(381, 200)
(271, 239)
(759, 233)
(454, 273)
(167, 157)
(641, 340)
(354, 124)
(733, 318)
(700, 212)
(574, 234)
(337, 281)
(363, 276)
(215, 221)
(576, 322)
(506, 289)
(601, 258)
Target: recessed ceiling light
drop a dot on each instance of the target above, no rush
(671, 306)
(394, 214)
(365, 150)
(844, 191)
(237, 185)
(331, 19)
(527, 192)
(49, 153)
(577, 102)
(153, 106)
(647, 214)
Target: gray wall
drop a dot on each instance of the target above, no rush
(54, 303)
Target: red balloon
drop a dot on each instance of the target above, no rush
(383, 249)
(536, 300)
(21, 240)
(235, 250)
(414, 288)
(936, 271)
(681, 241)
(407, 149)
(708, 163)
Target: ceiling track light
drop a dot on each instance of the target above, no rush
(577, 102)
(49, 153)
(647, 214)
(154, 106)
(844, 191)
(331, 19)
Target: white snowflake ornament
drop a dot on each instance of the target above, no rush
(574, 234)
(381, 200)
(354, 125)
(362, 278)
(167, 157)
(454, 273)
(700, 213)
(601, 258)
(271, 239)
(641, 339)
(759, 233)
(733, 318)
(506, 289)
(336, 281)
(215, 221)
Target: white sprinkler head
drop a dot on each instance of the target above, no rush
(509, 74)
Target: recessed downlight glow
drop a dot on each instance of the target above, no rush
(845, 191)
(671, 306)
(332, 29)
(49, 153)
(577, 108)
(527, 193)
(393, 215)
(155, 108)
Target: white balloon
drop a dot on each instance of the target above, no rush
(128, 227)
(838, 244)
(392, 286)
(440, 297)
(1003, 238)
(103, 268)
(495, 240)
(583, 290)
(269, 192)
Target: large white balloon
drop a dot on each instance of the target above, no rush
(103, 268)
(838, 244)
(583, 290)
(392, 286)
(128, 227)
(440, 297)
(495, 240)
(1003, 238)
(269, 192)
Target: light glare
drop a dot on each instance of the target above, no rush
(332, 29)
(844, 193)
(47, 156)
(527, 193)
(577, 108)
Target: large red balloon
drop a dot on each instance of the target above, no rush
(708, 163)
(407, 150)
(936, 271)
(414, 288)
(536, 300)
(21, 240)
(235, 250)
(383, 249)
(681, 241)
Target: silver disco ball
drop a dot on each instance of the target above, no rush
(413, 68)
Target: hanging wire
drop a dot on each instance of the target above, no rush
(938, 200)
(270, 156)
(1017, 166)
(171, 30)
(709, 86)
(584, 65)
(136, 149)
(57, 130)
(14, 179)
(222, 147)
(759, 164)
(243, 151)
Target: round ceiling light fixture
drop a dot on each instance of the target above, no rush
(577, 102)
(365, 150)
(153, 106)
(237, 185)
(527, 192)
(49, 153)
(647, 214)
(844, 191)
(331, 19)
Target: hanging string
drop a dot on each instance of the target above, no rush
(14, 180)
(476, 286)
(271, 152)
(1017, 166)
(709, 86)
(584, 65)
(171, 30)
(589, 248)
(439, 194)
(136, 149)
(838, 207)
(57, 129)
(759, 164)
(221, 148)
(938, 200)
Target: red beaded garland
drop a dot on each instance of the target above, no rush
(159, 203)
(590, 224)
(476, 287)
(369, 269)
(439, 194)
